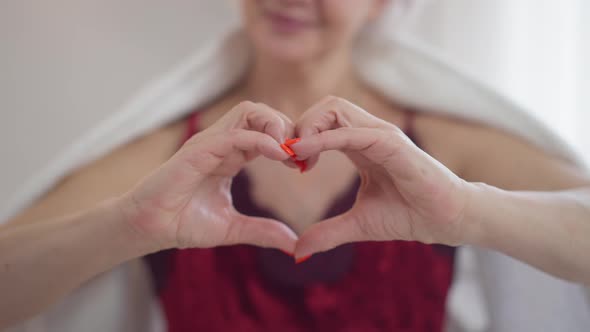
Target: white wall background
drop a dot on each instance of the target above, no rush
(66, 64)
(535, 51)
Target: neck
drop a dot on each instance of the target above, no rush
(292, 88)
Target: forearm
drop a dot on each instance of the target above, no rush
(549, 230)
(43, 261)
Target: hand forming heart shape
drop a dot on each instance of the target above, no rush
(405, 194)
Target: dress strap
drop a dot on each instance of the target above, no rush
(409, 127)
(161, 263)
(192, 125)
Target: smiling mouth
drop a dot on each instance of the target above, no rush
(286, 23)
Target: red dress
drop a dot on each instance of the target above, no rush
(371, 286)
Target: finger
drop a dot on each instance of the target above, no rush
(253, 141)
(257, 117)
(377, 145)
(293, 162)
(206, 153)
(391, 149)
(290, 163)
(329, 234)
(310, 162)
(262, 232)
(333, 112)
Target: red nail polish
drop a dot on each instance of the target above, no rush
(302, 165)
(286, 252)
(286, 147)
(302, 259)
(288, 150)
(292, 141)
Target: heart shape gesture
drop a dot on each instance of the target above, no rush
(187, 202)
(405, 194)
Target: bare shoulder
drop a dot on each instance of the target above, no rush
(109, 176)
(444, 138)
(219, 108)
(120, 170)
(480, 153)
(151, 149)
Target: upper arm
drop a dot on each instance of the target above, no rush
(483, 154)
(110, 176)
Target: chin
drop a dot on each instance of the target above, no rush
(285, 53)
(286, 48)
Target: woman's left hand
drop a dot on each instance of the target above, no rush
(405, 194)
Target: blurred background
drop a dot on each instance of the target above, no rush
(65, 65)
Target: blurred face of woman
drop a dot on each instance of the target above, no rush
(301, 30)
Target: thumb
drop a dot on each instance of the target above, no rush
(261, 232)
(329, 234)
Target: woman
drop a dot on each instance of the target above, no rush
(302, 54)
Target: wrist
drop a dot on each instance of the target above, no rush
(139, 226)
(476, 223)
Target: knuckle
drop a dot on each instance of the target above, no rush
(387, 136)
(341, 110)
(232, 134)
(316, 124)
(332, 100)
(262, 107)
(386, 146)
(246, 105)
(391, 136)
(276, 117)
(244, 109)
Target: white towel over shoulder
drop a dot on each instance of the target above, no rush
(491, 292)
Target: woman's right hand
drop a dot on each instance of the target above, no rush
(187, 202)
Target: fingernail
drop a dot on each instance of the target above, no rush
(302, 165)
(302, 259)
(292, 141)
(288, 150)
(286, 252)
